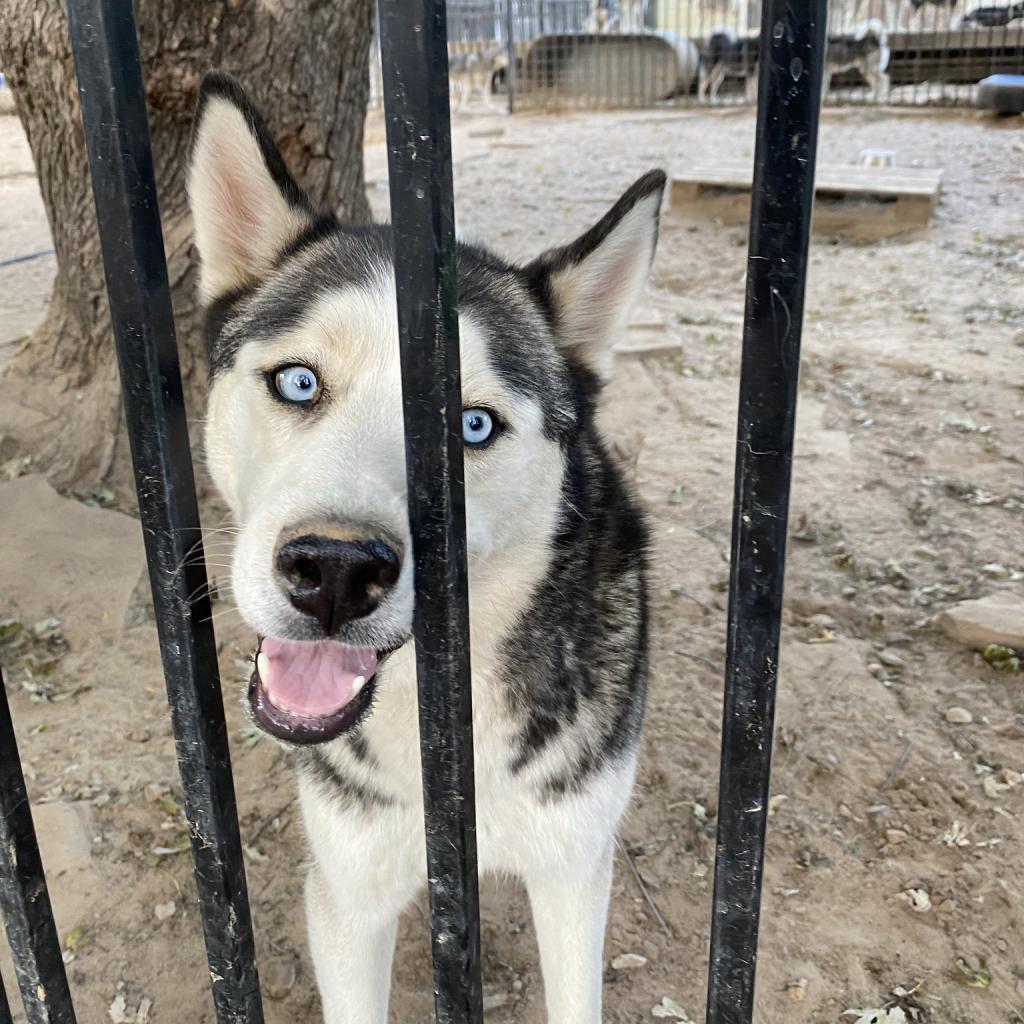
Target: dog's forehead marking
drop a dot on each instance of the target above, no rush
(353, 331)
(337, 295)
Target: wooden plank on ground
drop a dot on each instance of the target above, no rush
(860, 200)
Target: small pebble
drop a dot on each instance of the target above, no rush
(891, 658)
(919, 900)
(628, 961)
(822, 621)
(895, 836)
(164, 910)
(959, 716)
(995, 570)
(278, 977)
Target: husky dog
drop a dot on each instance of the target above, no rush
(865, 51)
(471, 73)
(724, 56)
(727, 56)
(304, 440)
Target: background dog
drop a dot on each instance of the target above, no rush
(471, 73)
(304, 439)
(865, 51)
(992, 17)
(726, 56)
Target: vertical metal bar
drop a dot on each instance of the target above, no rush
(415, 52)
(510, 74)
(24, 899)
(113, 99)
(789, 93)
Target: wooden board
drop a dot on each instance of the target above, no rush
(862, 201)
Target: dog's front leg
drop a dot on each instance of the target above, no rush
(352, 953)
(569, 914)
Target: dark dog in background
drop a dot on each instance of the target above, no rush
(992, 17)
(865, 50)
(727, 56)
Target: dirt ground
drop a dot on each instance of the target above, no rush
(909, 496)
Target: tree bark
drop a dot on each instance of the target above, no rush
(305, 64)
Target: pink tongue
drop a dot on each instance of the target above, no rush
(313, 679)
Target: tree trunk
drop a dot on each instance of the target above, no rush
(305, 64)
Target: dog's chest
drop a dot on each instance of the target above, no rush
(507, 802)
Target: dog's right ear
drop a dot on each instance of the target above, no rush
(246, 208)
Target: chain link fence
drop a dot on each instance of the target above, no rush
(556, 54)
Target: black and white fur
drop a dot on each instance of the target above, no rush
(993, 17)
(726, 56)
(557, 545)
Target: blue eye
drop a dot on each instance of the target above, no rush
(297, 384)
(477, 426)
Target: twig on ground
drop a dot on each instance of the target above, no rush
(645, 892)
(897, 767)
(270, 820)
(700, 659)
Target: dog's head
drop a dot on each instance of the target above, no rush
(304, 435)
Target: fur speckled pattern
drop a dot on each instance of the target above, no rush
(557, 546)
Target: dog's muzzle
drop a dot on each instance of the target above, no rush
(311, 691)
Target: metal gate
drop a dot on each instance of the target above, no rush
(416, 55)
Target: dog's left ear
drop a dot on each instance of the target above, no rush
(593, 284)
(246, 208)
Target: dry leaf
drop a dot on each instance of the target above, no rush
(671, 1010)
(979, 978)
(894, 1015)
(117, 1011)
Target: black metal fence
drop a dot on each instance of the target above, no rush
(417, 51)
(637, 53)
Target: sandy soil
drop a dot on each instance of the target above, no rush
(909, 495)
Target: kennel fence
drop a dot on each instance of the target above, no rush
(106, 54)
(587, 54)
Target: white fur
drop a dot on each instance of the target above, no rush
(241, 219)
(596, 296)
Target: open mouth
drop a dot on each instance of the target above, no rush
(306, 692)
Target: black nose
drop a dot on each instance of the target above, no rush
(335, 580)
